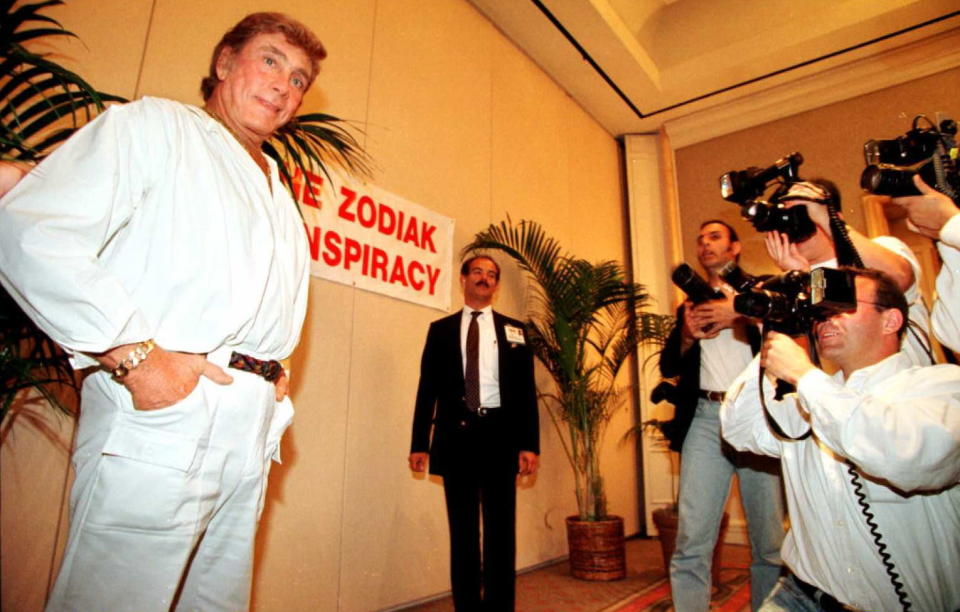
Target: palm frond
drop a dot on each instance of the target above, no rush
(42, 102)
(526, 243)
(312, 141)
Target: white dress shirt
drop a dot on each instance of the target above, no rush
(900, 424)
(154, 222)
(489, 357)
(722, 358)
(946, 310)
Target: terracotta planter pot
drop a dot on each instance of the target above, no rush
(597, 549)
(666, 520)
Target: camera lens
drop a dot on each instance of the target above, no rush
(887, 181)
(697, 289)
(795, 222)
(765, 305)
(758, 214)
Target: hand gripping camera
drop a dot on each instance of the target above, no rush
(747, 188)
(930, 151)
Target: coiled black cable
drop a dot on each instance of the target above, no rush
(847, 254)
(868, 515)
(877, 537)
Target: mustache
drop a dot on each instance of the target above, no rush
(482, 282)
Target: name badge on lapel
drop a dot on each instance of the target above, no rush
(514, 334)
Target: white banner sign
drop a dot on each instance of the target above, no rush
(366, 237)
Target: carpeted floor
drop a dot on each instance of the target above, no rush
(552, 589)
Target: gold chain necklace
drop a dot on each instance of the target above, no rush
(257, 155)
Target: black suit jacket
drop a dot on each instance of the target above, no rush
(687, 367)
(441, 404)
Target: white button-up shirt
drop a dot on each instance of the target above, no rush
(946, 310)
(900, 425)
(723, 357)
(154, 222)
(489, 365)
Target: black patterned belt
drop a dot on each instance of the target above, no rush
(270, 370)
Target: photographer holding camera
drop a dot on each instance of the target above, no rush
(710, 345)
(822, 248)
(871, 460)
(936, 216)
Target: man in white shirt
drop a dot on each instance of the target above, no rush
(821, 250)
(158, 245)
(476, 422)
(710, 345)
(936, 216)
(880, 437)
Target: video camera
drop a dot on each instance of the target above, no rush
(929, 151)
(792, 302)
(747, 187)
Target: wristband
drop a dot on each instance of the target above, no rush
(133, 359)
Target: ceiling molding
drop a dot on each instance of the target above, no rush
(914, 61)
(636, 65)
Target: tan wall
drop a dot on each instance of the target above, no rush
(458, 120)
(831, 140)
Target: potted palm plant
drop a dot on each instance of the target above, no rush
(41, 105)
(585, 321)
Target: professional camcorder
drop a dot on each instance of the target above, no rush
(747, 188)
(930, 151)
(792, 302)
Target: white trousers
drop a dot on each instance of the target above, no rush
(164, 509)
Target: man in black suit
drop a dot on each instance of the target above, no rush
(477, 391)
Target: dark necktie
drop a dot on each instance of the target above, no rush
(471, 377)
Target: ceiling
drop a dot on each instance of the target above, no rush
(637, 65)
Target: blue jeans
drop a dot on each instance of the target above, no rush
(706, 468)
